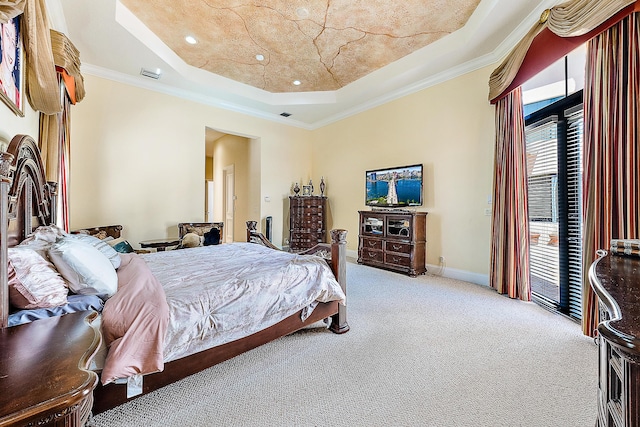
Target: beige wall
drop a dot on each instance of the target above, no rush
(12, 125)
(138, 159)
(449, 129)
(208, 168)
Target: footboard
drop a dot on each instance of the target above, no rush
(334, 253)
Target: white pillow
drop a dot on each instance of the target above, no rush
(108, 251)
(86, 269)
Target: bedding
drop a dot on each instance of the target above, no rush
(215, 295)
(75, 303)
(134, 322)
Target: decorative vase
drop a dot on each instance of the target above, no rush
(310, 188)
(322, 185)
(296, 189)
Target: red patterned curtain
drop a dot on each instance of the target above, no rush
(612, 155)
(510, 227)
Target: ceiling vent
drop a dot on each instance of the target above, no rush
(150, 74)
(285, 114)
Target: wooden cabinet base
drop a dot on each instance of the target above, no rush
(393, 240)
(615, 280)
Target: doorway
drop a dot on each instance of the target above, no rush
(209, 200)
(229, 201)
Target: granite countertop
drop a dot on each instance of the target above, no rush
(618, 290)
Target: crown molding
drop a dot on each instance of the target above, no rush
(187, 95)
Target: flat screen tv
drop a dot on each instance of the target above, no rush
(394, 187)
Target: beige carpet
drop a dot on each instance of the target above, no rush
(428, 351)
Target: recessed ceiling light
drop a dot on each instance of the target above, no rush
(260, 57)
(297, 82)
(191, 40)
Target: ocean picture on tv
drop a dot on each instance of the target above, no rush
(394, 187)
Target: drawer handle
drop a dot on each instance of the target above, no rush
(372, 244)
(396, 259)
(396, 247)
(372, 254)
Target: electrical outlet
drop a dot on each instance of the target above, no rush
(441, 260)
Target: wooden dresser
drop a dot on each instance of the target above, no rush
(616, 281)
(42, 371)
(395, 240)
(307, 222)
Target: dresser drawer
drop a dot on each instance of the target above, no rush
(375, 244)
(372, 255)
(397, 259)
(402, 248)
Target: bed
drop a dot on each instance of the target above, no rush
(28, 202)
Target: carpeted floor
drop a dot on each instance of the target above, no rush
(428, 351)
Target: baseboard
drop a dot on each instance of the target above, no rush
(452, 273)
(436, 270)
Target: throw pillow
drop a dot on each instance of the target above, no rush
(112, 255)
(34, 281)
(191, 240)
(212, 237)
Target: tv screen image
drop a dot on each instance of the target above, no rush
(394, 187)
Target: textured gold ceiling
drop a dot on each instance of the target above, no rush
(323, 44)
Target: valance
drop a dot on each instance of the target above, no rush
(67, 60)
(575, 18)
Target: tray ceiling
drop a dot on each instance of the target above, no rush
(348, 55)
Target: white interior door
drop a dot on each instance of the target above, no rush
(208, 214)
(229, 202)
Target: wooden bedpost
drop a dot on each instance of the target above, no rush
(5, 182)
(339, 323)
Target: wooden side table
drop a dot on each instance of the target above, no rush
(43, 374)
(160, 244)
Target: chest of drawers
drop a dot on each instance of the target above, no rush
(307, 222)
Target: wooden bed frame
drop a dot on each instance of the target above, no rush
(28, 201)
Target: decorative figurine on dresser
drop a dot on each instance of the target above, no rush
(307, 218)
(615, 278)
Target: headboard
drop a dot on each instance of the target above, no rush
(27, 202)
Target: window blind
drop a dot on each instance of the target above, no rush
(542, 170)
(574, 117)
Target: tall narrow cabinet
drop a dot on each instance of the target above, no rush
(394, 240)
(307, 219)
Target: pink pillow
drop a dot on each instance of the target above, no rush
(34, 281)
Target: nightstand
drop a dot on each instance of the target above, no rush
(43, 374)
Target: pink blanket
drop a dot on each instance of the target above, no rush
(134, 322)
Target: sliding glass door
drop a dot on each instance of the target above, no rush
(554, 167)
